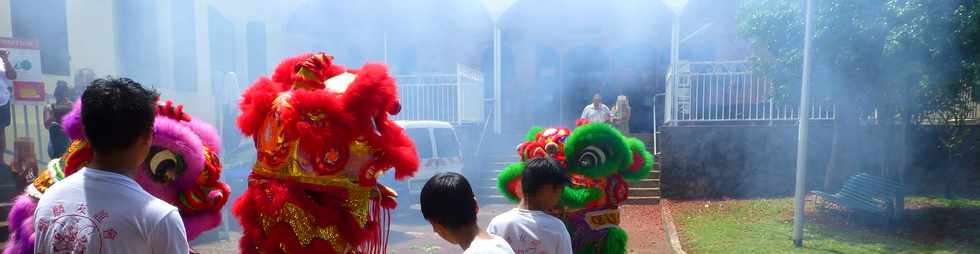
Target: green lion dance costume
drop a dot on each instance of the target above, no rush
(599, 160)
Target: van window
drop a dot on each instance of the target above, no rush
(447, 143)
(423, 144)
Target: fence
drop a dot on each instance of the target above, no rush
(456, 98)
(27, 120)
(728, 91)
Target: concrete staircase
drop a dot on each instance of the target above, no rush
(4, 224)
(485, 180)
(646, 191)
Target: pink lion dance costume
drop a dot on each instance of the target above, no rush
(323, 137)
(182, 168)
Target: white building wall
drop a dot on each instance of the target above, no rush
(92, 37)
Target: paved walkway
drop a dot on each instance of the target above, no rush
(411, 234)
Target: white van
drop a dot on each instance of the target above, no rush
(439, 151)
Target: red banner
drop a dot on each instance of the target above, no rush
(16, 43)
(27, 91)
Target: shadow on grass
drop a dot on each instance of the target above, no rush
(923, 229)
(765, 226)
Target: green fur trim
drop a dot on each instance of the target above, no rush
(637, 145)
(606, 137)
(615, 241)
(532, 134)
(56, 166)
(511, 173)
(579, 197)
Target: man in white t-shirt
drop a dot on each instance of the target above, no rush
(527, 228)
(100, 208)
(448, 204)
(6, 82)
(596, 112)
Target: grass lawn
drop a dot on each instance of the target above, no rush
(766, 226)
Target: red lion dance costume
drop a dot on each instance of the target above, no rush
(323, 137)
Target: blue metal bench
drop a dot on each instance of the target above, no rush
(865, 193)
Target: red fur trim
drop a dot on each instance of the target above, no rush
(75, 160)
(268, 197)
(514, 186)
(285, 70)
(317, 115)
(372, 93)
(399, 151)
(637, 162)
(371, 97)
(256, 104)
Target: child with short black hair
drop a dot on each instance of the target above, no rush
(449, 205)
(528, 228)
(100, 208)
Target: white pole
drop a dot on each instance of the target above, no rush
(386, 47)
(496, 80)
(674, 58)
(801, 153)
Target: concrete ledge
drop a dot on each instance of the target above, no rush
(670, 230)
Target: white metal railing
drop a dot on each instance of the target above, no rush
(27, 120)
(456, 98)
(728, 91)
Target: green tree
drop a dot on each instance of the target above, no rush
(899, 58)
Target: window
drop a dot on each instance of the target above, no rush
(423, 144)
(255, 33)
(138, 45)
(185, 45)
(45, 21)
(446, 141)
(221, 37)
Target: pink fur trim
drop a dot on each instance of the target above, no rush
(21, 219)
(198, 223)
(72, 122)
(207, 134)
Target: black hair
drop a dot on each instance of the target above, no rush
(116, 112)
(61, 90)
(447, 199)
(542, 171)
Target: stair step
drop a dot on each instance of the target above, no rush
(5, 209)
(492, 199)
(643, 200)
(654, 174)
(4, 230)
(644, 192)
(500, 165)
(646, 183)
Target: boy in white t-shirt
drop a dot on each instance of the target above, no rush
(527, 228)
(100, 208)
(449, 205)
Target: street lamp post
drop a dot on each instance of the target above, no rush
(801, 146)
(496, 8)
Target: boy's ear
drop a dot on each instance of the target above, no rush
(476, 204)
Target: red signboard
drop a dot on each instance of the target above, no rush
(26, 91)
(17, 43)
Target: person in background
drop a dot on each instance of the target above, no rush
(101, 208)
(24, 163)
(449, 205)
(52, 120)
(596, 112)
(528, 228)
(83, 78)
(621, 114)
(9, 74)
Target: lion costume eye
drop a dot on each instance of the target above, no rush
(592, 156)
(164, 165)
